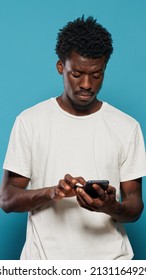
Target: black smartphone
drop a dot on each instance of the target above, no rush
(91, 191)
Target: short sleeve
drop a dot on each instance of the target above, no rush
(134, 165)
(18, 155)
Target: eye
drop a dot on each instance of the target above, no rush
(97, 75)
(76, 74)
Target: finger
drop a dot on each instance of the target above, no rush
(84, 196)
(61, 194)
(111, 190)
(81, 201)
(88, 202)
(80, 180)
(63, 185)
(99, 190)
(57, 194)
(70, 180)
(83, 204)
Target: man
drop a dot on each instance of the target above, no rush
(65, 141)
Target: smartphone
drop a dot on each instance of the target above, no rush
(91, 191)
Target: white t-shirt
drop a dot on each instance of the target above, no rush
(45, 144)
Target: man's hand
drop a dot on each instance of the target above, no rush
(128, 210)
(104, 203)
(65, 187)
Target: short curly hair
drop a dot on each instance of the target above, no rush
(86, 37)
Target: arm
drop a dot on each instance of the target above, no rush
(132, 205)
(128, 210)
(14, 196)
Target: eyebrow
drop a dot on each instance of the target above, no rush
(97, 71)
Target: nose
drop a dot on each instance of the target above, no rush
(86, 83)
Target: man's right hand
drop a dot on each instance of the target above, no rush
(65, 187)
(15, 197)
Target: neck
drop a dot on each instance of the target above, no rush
(67, 105)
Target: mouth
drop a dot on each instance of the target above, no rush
(84, 95)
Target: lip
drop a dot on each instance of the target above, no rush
(84, 95)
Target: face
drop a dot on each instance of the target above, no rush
(83, 78)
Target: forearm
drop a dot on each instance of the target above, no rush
(23, 200)
(15, 197)
(126, 211)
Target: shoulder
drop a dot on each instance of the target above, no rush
(34, 117)
(39, 108)
(37, 113)
(119, 117)
(119, 123)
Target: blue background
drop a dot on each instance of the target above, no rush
(28, 30)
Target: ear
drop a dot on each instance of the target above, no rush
(59, 66)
